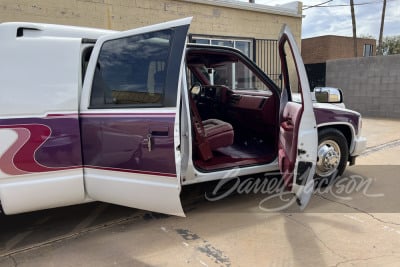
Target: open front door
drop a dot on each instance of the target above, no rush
(298, 139)
(130, 118)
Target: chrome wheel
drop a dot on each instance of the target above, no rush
(328, 158)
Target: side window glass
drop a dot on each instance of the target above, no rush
(131, 71)
(225, 68)
(291, 80)
(238, 76)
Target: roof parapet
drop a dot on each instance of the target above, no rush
(292, 9)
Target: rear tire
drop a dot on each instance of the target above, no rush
(333, 153)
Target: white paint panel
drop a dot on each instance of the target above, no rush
(7, 137)
(149, 192)
(47, 190)
(39, 75)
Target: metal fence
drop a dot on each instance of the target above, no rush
(266, 56)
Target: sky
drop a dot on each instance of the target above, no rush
(337, 20)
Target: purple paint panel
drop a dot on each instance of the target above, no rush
(42, 144)
(323, 115)
(117, 142)
(129, 142)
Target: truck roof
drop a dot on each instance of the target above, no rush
(12, 30)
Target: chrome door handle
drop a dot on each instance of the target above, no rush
(149, 145)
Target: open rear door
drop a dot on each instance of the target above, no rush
(298, 132)
(130, 118)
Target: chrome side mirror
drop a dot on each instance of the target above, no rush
(328, 95)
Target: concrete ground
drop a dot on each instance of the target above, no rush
(356, 222)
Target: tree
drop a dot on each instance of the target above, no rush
(391, 45)
(353, 22)
(366, 36)
(380, 50)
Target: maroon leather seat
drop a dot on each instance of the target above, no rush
(210, 134)
(218, 133)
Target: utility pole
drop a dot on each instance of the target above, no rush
(380, 52)
(353, 21)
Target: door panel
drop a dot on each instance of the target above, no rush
(298, 134)
(120, 141)
(130, 120)
(289, 130)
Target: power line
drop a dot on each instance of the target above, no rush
(317, 5)
(343, 5)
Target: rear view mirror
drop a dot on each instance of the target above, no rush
(328, 95)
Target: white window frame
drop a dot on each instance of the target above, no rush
(234, 40)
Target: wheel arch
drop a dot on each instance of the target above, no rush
(347, 130)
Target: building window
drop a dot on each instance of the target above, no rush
(368, 50)
(235, 72)
(244, 45)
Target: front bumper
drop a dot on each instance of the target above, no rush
(360, 144)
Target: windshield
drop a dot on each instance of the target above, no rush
(226, 70)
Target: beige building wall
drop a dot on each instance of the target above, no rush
(209, 17)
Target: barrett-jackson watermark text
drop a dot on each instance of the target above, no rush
(274, 187)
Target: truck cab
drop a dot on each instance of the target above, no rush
(130, 117)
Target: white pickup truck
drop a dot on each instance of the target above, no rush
(131, 117)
